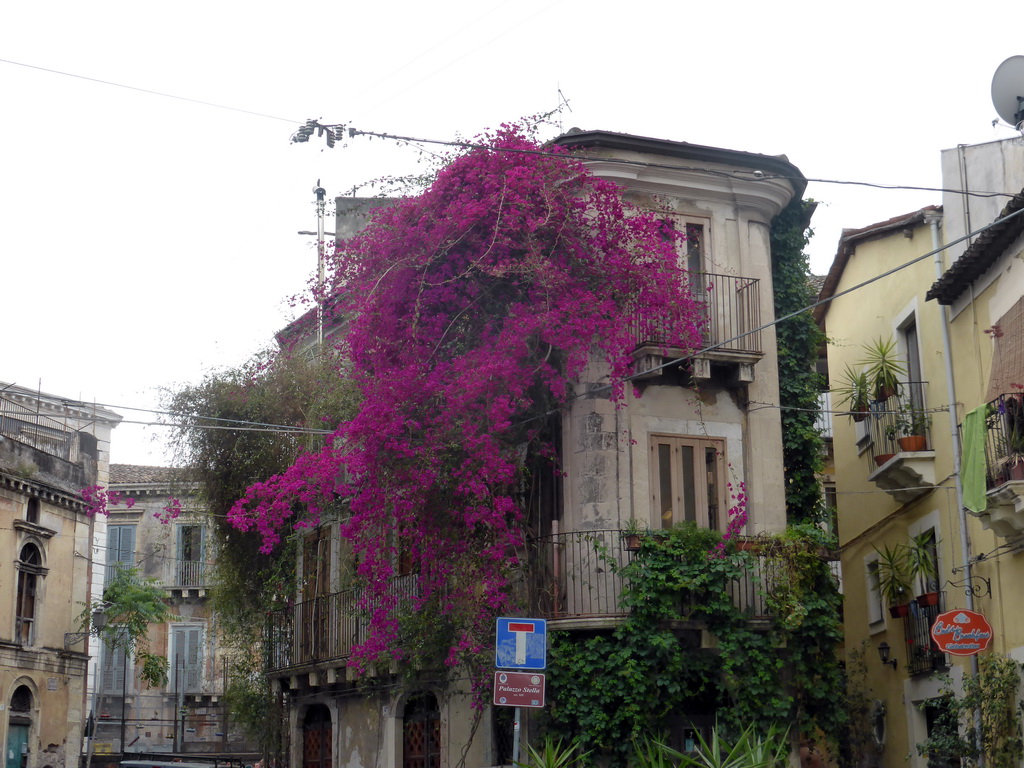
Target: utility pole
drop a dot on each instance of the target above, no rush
(321, 196)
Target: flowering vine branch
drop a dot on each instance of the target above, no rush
(471, 309)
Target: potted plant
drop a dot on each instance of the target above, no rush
(632, 535)
(853, 393)
(894, 581)
(910, 428)
(921, 562)
(884, 368)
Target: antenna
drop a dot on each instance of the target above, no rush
(1008, 91)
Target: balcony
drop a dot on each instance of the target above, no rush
(1004, 461)
(575, 579)
(903, 458)
(185, 577)
(923, 657)
(732, 312)
(323, 630)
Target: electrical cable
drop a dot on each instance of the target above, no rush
(748, 175)
(146, 90)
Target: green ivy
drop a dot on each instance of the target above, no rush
(610, 688)
(988, 700)
(799, 339)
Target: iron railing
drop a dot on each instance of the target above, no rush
(1004, 439)
(572, 575)
(732, 312)
(923, 656)
(41, 432)
(578, 574)
(326, 627)
(187, 573)
(890, 421)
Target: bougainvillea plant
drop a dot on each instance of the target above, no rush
(471, 310)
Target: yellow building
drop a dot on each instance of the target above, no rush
(956, 324)
(49, 452)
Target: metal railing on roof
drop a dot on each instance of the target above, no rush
(41, 432)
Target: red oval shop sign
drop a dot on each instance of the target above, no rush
(962, 633)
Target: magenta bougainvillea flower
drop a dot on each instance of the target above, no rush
(471, 309)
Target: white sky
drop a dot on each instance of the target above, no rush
(145, 240)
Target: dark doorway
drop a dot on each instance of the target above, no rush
(421, 732)
(316, 738)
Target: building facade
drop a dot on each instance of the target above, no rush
(954, 322)
(163, 536)
(671, 456)
(50, 452)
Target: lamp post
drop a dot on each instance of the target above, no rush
(124, 691)
(99, 621)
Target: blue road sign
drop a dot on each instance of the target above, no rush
(521, 644)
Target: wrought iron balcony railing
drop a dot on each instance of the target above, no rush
(1004, 439)
(923, 656)
(894, 421)
(323, 629)
(186, 573)
(577, 575)
(572, 575)
(732, 310)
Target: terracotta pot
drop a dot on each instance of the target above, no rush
(881, 458)
(1017, 471)
(899, 611)
(928, 599)
(631, 542)
(860, 414)
(912, 443)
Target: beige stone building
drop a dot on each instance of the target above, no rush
(188, 715)
(50, 450)
(665, 458)
(957, 322)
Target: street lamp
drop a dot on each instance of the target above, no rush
(97, 622)
(883, 654)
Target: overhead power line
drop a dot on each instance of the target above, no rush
(335, 129)
(146, 90)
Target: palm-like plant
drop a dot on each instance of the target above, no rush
(884, 367)
(750, 749)
(893, 574)
(552, 755)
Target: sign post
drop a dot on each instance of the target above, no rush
(519, 644)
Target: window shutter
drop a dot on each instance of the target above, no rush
(112, 670)
(193, 663)
(120, 547)
(188, 652)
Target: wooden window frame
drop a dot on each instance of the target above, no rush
(706, 500)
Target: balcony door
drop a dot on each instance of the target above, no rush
(687, 481)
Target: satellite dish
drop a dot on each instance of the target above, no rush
(1008, 90)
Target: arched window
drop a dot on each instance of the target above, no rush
(30, 570)
(21, 700)
(421, 732)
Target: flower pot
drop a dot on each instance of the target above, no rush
(912, 443)
(1017, 471)
(881, 458)
(860, 414)
(899, 611)
(928, 599)
(631, 542)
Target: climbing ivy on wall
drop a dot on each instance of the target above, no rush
(611, 687)
(799, 339)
